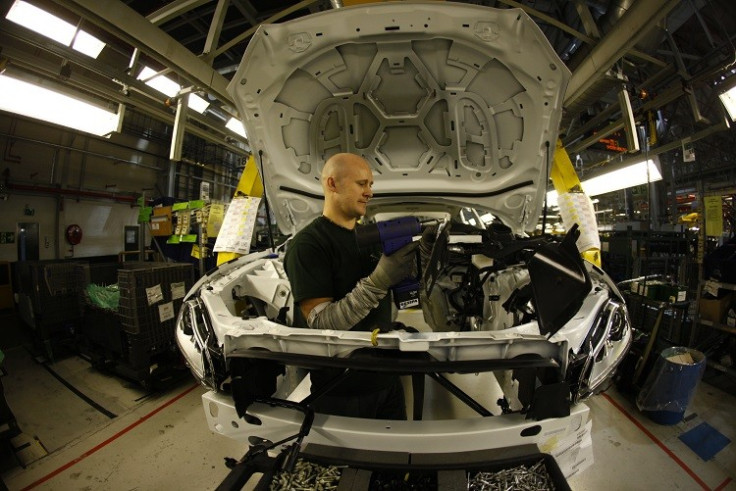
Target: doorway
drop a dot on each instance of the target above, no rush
(27, 241)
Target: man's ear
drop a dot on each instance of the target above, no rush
(331, 184)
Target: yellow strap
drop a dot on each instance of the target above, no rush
(249, 185)
(374, 337)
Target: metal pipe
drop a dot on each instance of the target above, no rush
(95, 154)
(71, 192)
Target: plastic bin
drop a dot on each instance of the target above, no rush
(670, 386)
(358, 478)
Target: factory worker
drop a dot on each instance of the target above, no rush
(337, 285)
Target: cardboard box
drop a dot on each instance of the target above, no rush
(160, 211)
(161, 225)
(714, 310)
(161, 222)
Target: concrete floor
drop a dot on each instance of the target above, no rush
(114, 435)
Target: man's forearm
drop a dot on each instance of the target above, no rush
(348, 311)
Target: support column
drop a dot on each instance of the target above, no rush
(177, 139)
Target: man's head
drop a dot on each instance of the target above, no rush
(346, 180)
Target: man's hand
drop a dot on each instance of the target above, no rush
(396, 267)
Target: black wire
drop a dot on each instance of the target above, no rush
(544, 190)
(265, 201)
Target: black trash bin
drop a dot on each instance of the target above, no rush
(670, 386)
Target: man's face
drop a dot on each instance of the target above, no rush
(354, 189)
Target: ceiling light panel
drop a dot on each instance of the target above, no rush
(61, 31)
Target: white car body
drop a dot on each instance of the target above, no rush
(454, 106)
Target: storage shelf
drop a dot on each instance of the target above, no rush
(725, 286)
(720, 326)
(717, 325)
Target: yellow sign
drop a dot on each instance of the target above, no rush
(214, 221)
(195, 251)
(713, 216)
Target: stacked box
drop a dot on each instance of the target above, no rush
(714, 309)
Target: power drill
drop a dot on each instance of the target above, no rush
(393, 235)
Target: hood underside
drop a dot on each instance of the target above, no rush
(449, 103)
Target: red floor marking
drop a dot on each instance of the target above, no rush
(659, 443)
(109, 440)
(723, 484)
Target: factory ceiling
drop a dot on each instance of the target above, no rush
(667, 59)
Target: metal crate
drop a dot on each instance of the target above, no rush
(144, 314)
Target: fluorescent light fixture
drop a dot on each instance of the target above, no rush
(47, 24)
(159, 82)
(728, 99)
(197, 103)
(625, 177)
(88, 44)
(42, 22)
(236, 126)
(41, 103)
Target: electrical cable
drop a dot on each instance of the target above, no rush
(265, 201)
(293, 451)
(544, 209)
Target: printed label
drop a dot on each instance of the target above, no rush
(166, 311)
(406, 304)
(178, 290)
(154, 294)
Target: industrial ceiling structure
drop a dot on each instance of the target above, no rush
(645, 73)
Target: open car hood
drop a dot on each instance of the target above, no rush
(449, 103)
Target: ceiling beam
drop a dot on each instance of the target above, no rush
(173, 10)
(574, 32)
(622, 37)
(213, 35)
(673, 92)
(126, 24)
(242, 37)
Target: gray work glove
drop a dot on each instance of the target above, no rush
(429, 236)
(396, 267)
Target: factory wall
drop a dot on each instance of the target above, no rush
(102, 223)
(54, 178)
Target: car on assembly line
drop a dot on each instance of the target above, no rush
(456, 108)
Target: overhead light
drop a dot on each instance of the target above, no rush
(236, 126)
(161, 83)
(61, 31)
(88, 44)
(41, 103)
(625, 177)
(728, 99)
(197, 103)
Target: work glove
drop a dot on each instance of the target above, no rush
(426, 243)
(396, 267)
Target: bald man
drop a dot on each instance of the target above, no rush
(338, 286)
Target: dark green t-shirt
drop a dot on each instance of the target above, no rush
(323, 260)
